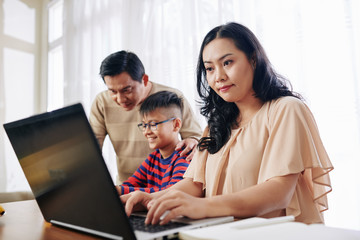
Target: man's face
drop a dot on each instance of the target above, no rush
(125, 91)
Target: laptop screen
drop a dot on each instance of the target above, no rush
(62, 162)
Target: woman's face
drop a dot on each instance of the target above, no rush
(228, 70)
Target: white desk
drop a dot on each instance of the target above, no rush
(279, 231)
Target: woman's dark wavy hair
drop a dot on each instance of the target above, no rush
(267, 84)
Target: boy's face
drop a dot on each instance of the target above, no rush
(165, 134)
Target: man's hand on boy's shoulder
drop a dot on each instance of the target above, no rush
(188, 144)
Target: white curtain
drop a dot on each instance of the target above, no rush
(315, 43)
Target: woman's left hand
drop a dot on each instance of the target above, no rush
(173, 204)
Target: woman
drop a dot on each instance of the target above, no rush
(261, 154)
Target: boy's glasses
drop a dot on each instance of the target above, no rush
(152, 125)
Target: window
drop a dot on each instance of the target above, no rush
(55, 84)
(19, 73)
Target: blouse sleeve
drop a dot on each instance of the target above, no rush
(294, 146)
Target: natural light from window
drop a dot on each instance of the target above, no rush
(55, 88)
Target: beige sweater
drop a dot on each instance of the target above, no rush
(131, 147)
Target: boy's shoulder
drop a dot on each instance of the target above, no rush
(178, 152)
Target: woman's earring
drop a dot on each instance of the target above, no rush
(253, 65)
(253, 62)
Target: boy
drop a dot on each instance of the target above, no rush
(161, 114)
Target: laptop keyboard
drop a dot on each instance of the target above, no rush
(138, 223)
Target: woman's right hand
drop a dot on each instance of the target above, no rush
(174, 204)
(136, 201)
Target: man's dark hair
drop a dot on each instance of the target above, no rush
(120, 62)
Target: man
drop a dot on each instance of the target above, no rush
(115, 112)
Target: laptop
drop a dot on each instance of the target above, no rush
(63, 164)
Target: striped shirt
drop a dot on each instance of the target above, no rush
(156, 174)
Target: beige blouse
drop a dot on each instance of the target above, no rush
(282, 138)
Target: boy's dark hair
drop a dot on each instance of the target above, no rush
(162, 99)
(120, 62)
